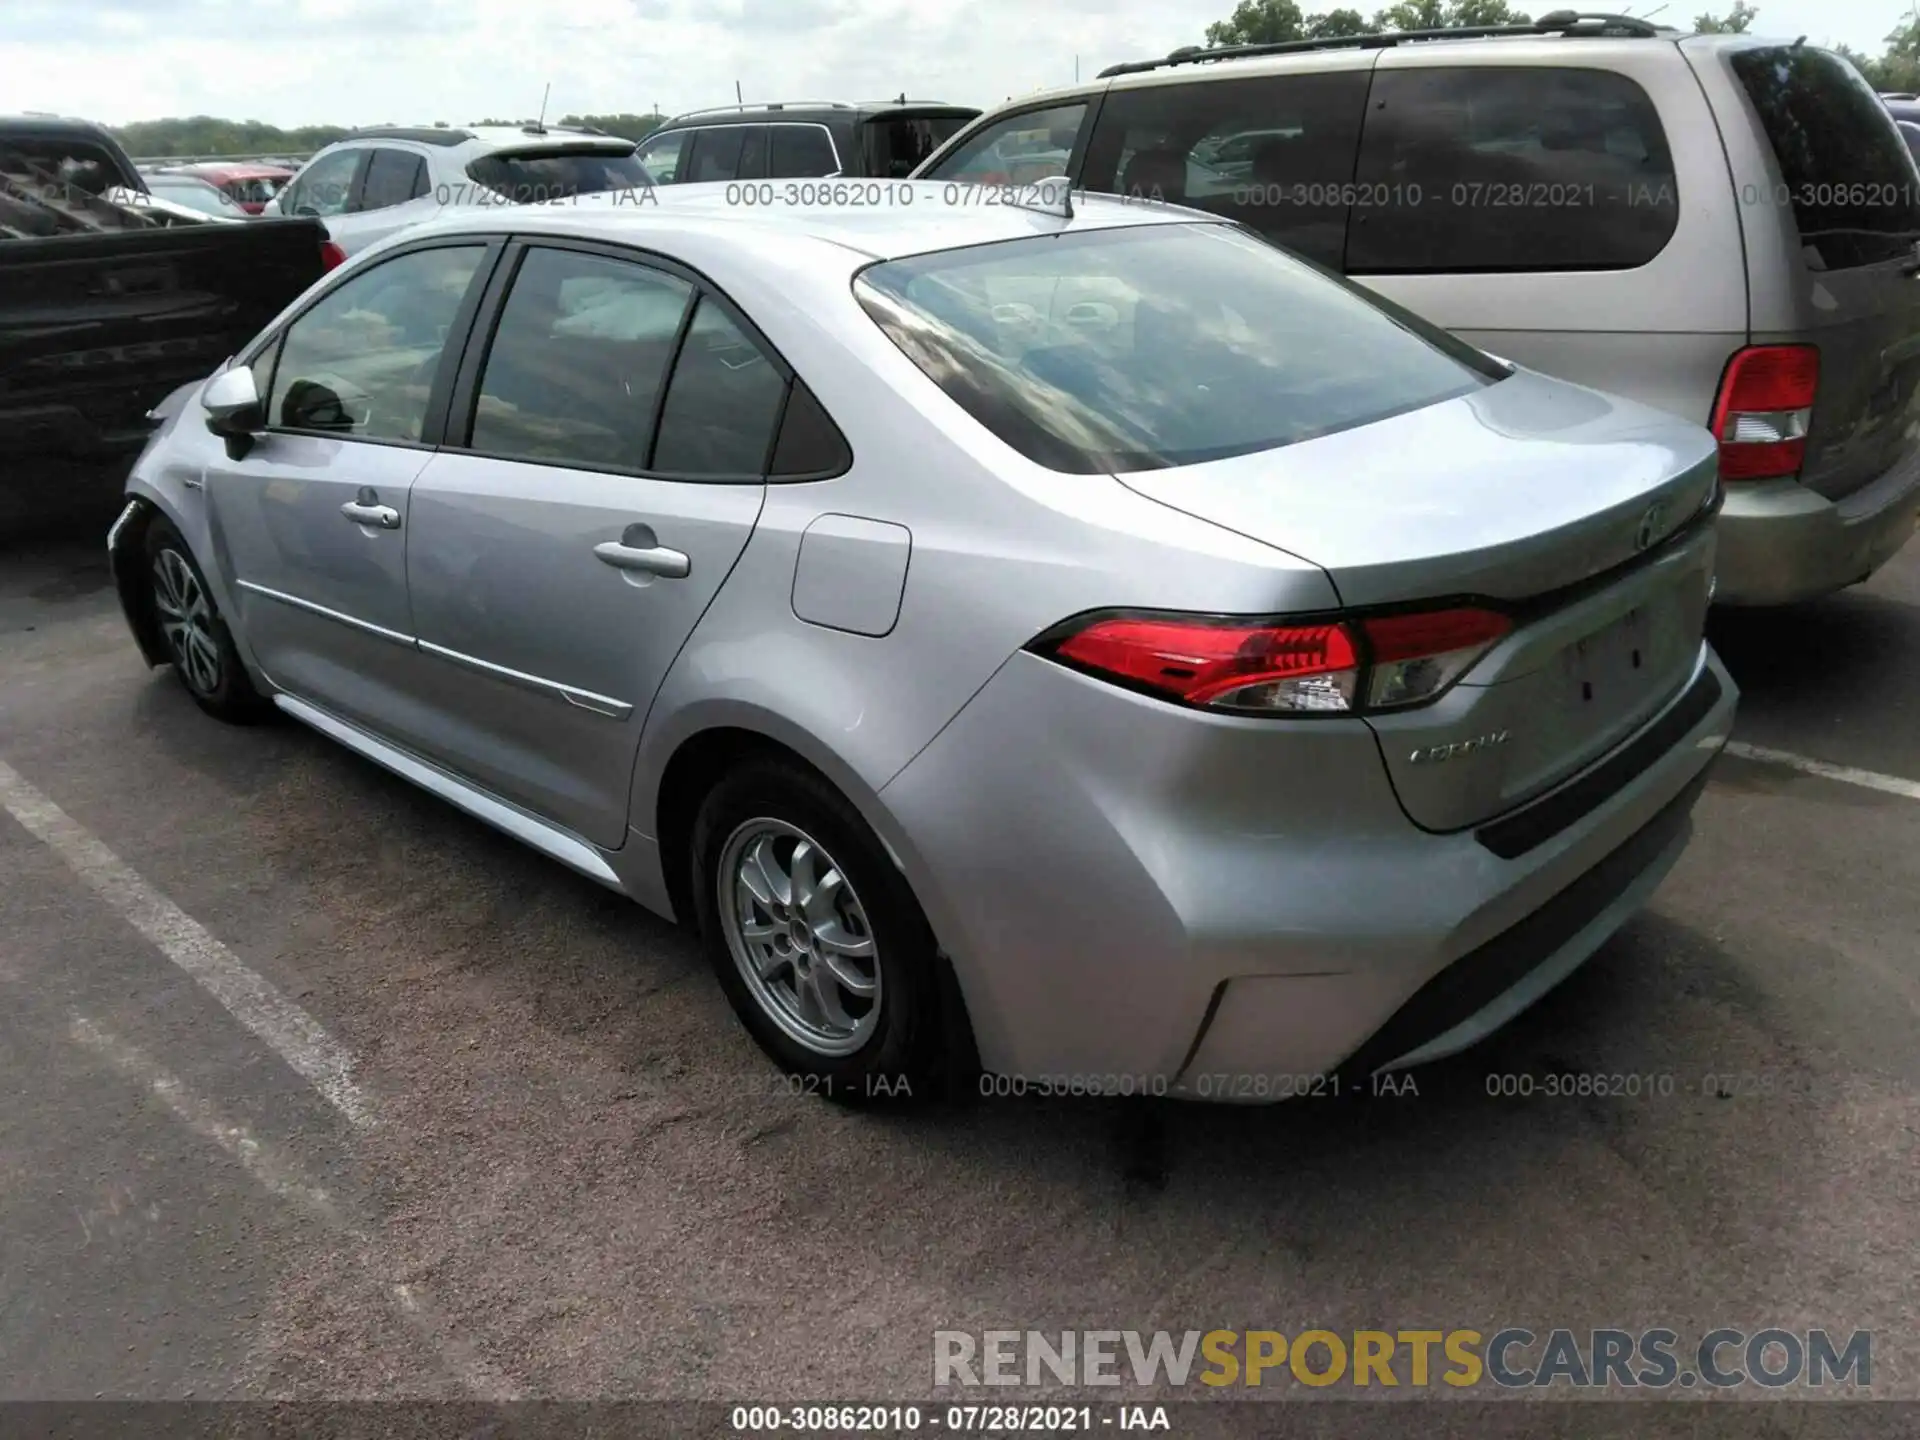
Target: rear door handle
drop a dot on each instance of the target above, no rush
(385, 516)
(654, 560)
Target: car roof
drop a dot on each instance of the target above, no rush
(937, 217)
(487, 137)
(773, 112)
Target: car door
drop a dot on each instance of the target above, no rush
(310, 522)
(394, 193)
(326, 187)
(605, 466)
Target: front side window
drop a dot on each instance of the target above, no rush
(1274, 152)
(1158, 345)
(1019, 149)
(716, 154)
(1483, 169)
(361, 362)
(662, 154)
(326, 186)
(574, 373)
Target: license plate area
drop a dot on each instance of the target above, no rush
(1612, 667)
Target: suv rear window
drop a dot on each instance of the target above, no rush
(1151, 346)
(1482, 169)
(529, 177)
(894, 146)
(1843, 166)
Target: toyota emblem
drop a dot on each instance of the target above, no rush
(1652, 524)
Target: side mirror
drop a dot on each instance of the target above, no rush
(231, 401)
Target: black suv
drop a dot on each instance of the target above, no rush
(801, 139)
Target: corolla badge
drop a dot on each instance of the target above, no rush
(1434, 754)
(1653, 525)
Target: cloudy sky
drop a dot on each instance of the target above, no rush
(357, 62)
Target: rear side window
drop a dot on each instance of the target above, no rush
(897, 145)
(1274, 153)
(532, 177)
(798, 152)
(1844, 168)
(722, 403)
(1479, 169)
(393, 178)
(1158, 345)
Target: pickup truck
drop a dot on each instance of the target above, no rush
(105, 307)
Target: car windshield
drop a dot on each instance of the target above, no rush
(1146, 347)
(531, 177)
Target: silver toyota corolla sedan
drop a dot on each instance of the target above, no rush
(1088, 647)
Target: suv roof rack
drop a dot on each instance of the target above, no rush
(425, 134)
(761, 105)
(1560, 22)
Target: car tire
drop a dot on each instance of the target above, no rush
(194, 632)
(887, 1049)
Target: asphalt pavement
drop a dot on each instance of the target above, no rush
(318, 1089)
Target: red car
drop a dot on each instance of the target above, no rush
(248, 186)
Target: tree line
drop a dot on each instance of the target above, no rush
(1269, 22)
(208, 135)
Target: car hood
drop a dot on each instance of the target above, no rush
(1523, 487)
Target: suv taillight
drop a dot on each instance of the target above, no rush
(1764, 410)
(331, 255)
(1382, 662)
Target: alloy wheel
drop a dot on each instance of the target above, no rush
(800, 937)
(186, 619)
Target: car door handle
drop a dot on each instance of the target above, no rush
(385, 516)
(657, 560)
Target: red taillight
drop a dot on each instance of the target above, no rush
(1764, 410)
(331, 255)
(1382, 662)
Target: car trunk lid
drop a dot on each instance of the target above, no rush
(1580, 516)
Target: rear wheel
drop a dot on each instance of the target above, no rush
(196, 636)
(816, 938)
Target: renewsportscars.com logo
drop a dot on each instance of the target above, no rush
(1511, 1358)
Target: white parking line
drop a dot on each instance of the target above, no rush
(281, 1176)
(294, 1035)
(1845, 774)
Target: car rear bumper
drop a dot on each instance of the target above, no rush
(1137, 897)
(1781, 542)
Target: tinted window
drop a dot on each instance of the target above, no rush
(362, 361)
(662, 155)
(1016, 150)
(800, 151)
(716, 153)
(573, 375)
(1275, 153)
(1524, 169)
(723, 403)
(1845, 171)
(533, 177)
(897, 145)
(393, 178)
(810, 444)
(753, 153)
(1154, 346)
(325, 186)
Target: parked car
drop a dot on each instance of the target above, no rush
(250, 186)
(375, 183)
(1578, 195)
(1132, 738)
(180, 195)
(106, 308)
(800, 140)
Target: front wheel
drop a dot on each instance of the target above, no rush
(816, 938)
(196, 636)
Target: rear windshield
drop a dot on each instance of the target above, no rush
(896, 144)
(532, 177)
(1844, 169)
(1152, 346)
